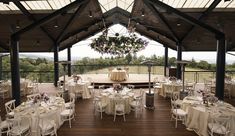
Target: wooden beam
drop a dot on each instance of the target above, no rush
(32, 18)
(163, 20)
(204, 14)
(79, 10)
(186, 17)
(49, 17)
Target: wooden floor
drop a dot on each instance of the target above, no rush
(152, 122)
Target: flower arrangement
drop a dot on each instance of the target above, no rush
(41, 97)
(118, 45)
(117, 87)
(76, 78)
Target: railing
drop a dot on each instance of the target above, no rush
(103, 69)
(200, 76)
(40, 76)
(48, 76)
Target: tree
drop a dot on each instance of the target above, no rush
(128, 58)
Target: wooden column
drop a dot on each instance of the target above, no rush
(15, 72)
(56, 64)
(220, 67)
(179, 58)
(1, 67)
(165, 60)
(69, 59)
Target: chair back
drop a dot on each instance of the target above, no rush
(60, 94)
(72, 97)
(10, 106)
(32, 96)
(130, 86)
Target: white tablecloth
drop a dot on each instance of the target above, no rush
(118, 75)
(199, 115)
(33, 111)
(81, 87)
(108, 95)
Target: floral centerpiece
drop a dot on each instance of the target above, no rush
(117, 87)
(40, 98)
(76, 78)
(118, 45)
(205, 96)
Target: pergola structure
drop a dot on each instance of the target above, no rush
(55, 25)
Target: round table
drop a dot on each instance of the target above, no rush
(118, 75)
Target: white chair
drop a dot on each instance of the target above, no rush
(119, 108)
(71, 101)
(157, 87)
(78, 90)
(91, 86)
(137, 105)
(177, 113)
(20, 126)
(127, 71)
(4, 126)
(100, 105)
(60, 93)
(4, 91)
(219, 125)
(47, 125)
(175, 98)
(69, 113)
(131, 87)
(10, 106)
(32, 96)
(23, 88)
(110, 71)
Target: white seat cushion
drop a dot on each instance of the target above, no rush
(119, 107)
(217, 128)
(67, 112)
(179, 112)
(47, 125)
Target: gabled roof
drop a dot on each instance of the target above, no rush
(88, 17)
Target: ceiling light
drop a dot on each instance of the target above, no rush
(90, 14)
(17, 24)
(178, 24)
(56, 24)
(37, 43)
(142, 13)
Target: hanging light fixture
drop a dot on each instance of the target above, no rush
(142, 13)
(56, 24)
(17, 24)
(90, 13)
(37, 43)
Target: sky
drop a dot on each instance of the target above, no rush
(82, 49)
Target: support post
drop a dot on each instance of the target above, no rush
(165, 60)
(220, 67)
(56, 64)
(179, 58)
(15, 72)
(1, 68)
(69, 59)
